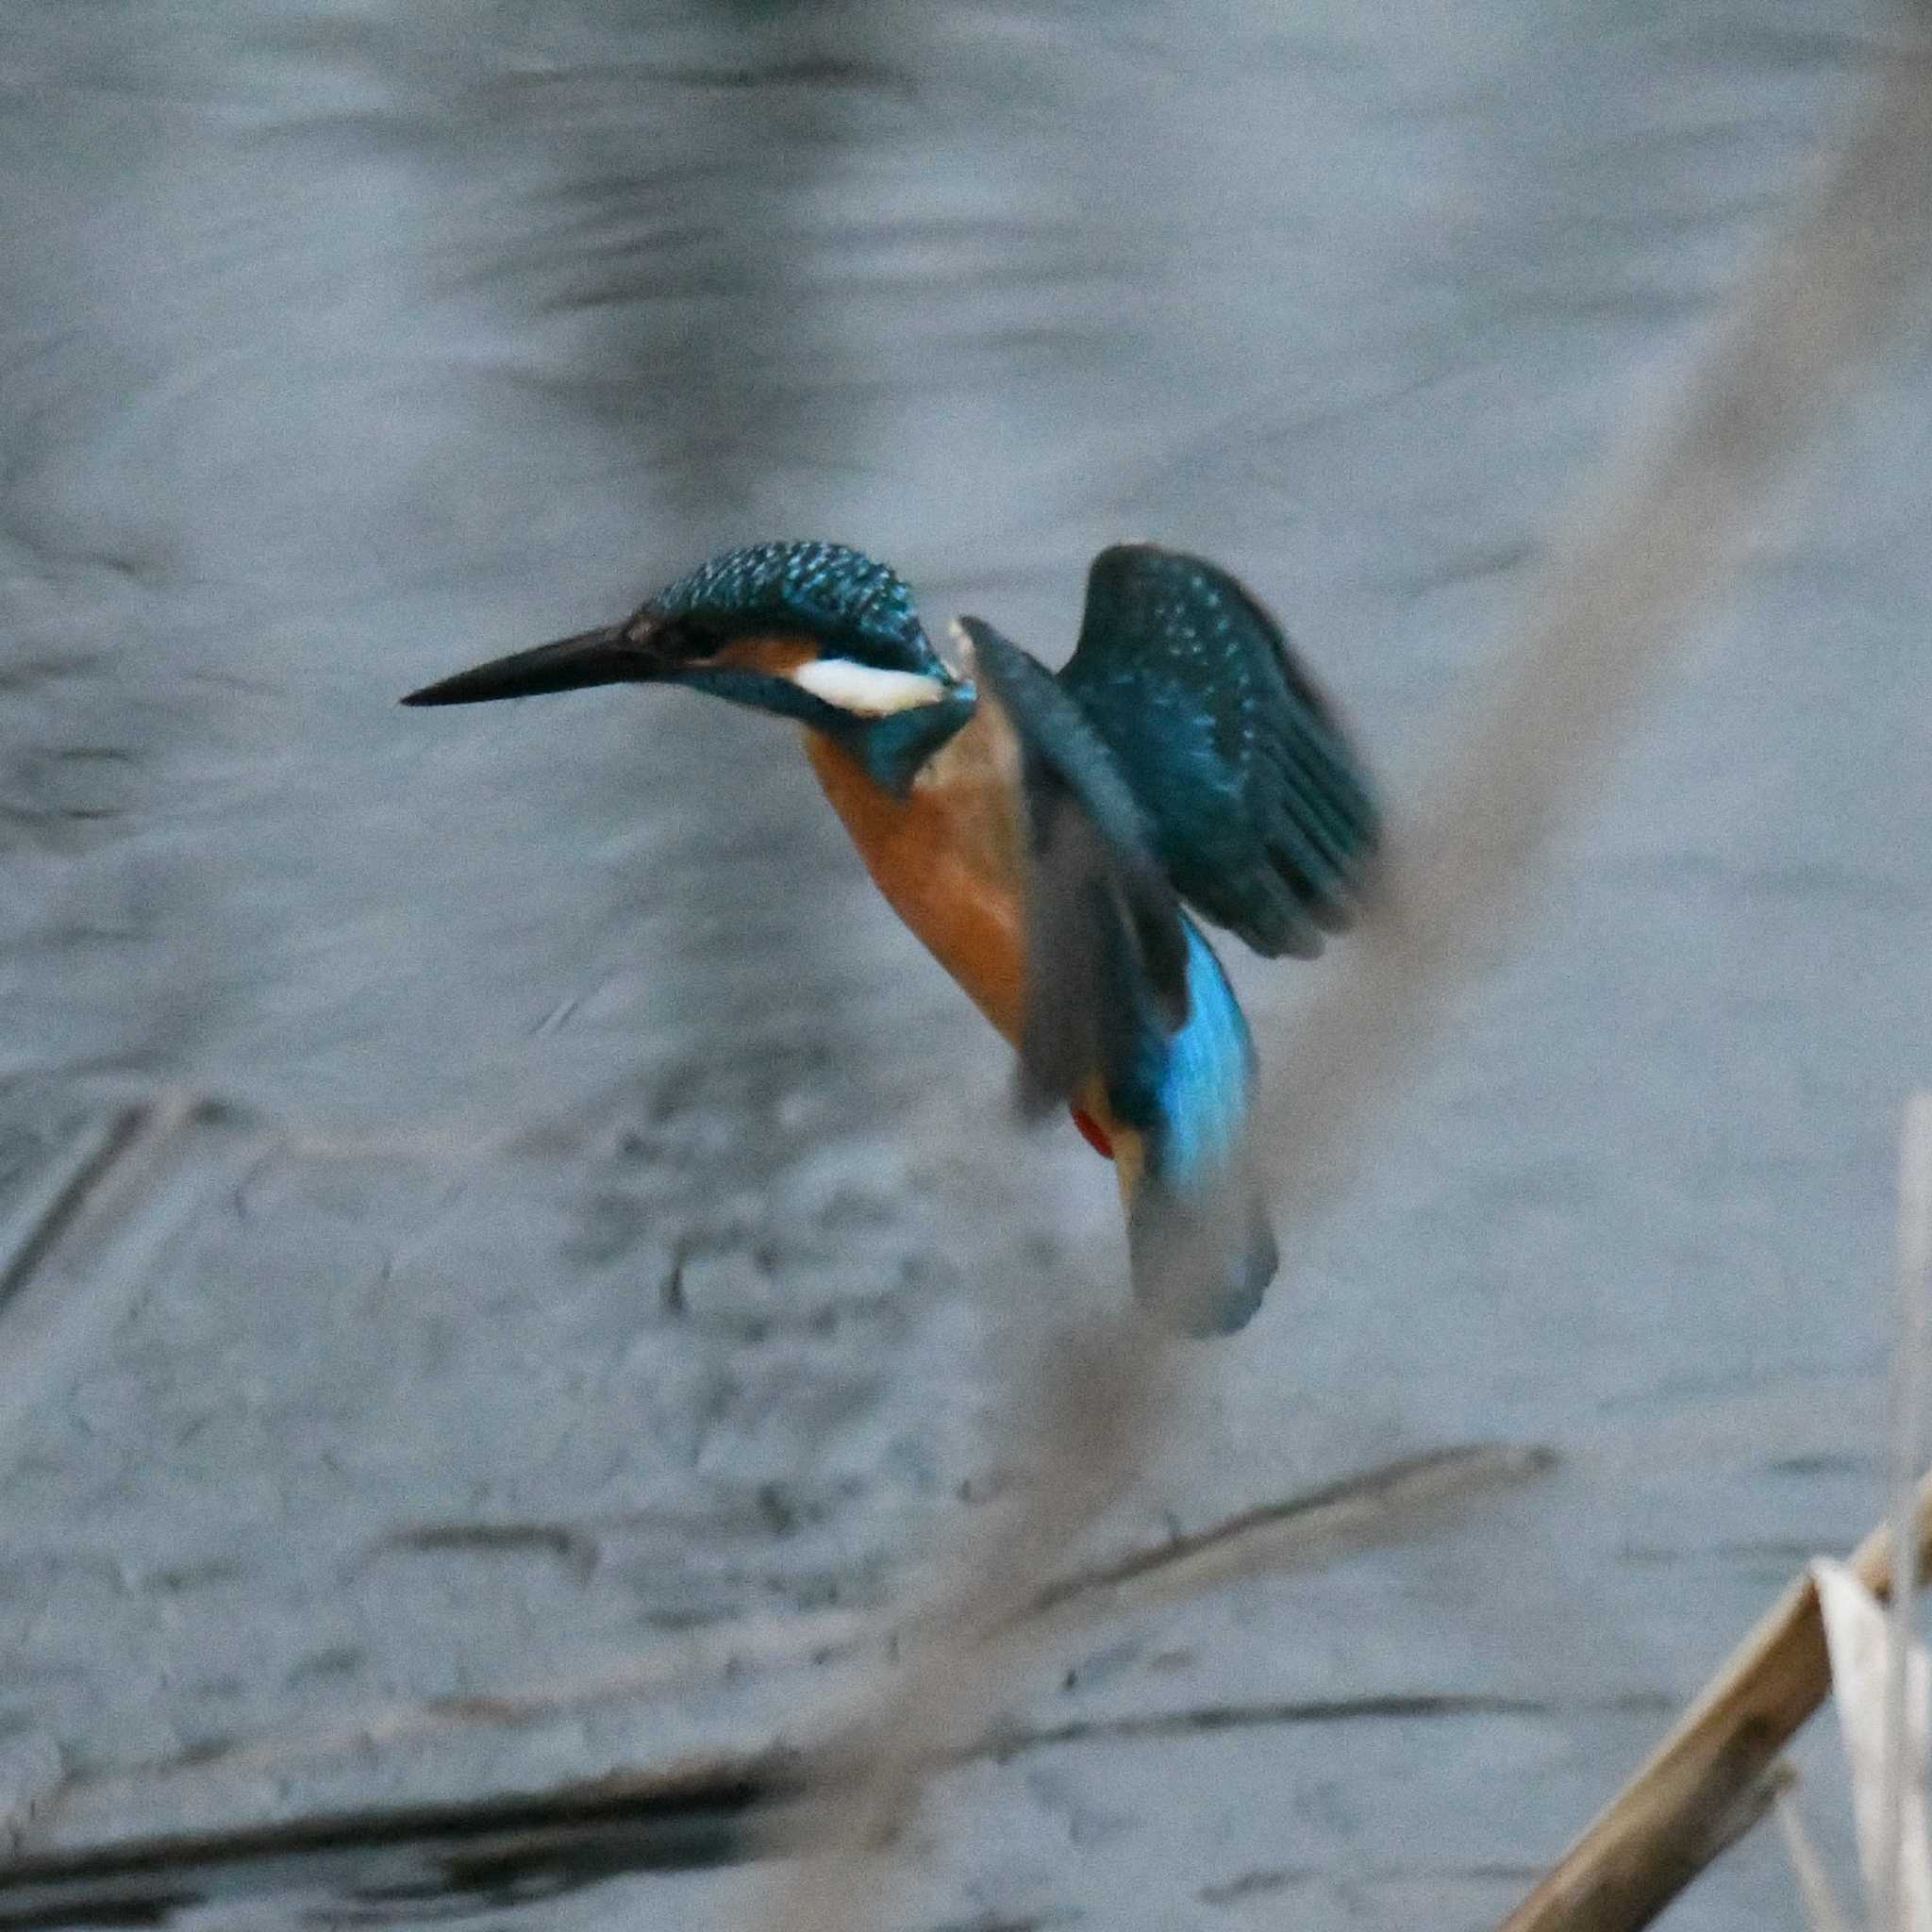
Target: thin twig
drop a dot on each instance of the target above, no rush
(1821, 1910)
(91, 1161)
(87, 1249)
(1356, 1513)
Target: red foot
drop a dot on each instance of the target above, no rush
(1090, 1132)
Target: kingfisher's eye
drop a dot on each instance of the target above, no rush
(672, 639)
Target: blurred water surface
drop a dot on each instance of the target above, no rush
(342, 344)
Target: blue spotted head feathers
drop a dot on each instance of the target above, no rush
(817, 632)
(853, 608)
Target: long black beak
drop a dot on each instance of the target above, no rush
(592, 656)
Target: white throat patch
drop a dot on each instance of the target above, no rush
(865, 691)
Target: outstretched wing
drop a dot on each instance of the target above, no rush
(1254, 797)
(1122, 991)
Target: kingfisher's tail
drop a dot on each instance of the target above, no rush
(1201, 1245)
(1198, 1223)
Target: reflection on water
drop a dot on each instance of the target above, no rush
(342, 345)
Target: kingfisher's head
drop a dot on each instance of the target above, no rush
(816, 632)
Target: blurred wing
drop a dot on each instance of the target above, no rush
(1120, 989)
(1255, 799)
(1106, 954)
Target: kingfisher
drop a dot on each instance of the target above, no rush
(1039, 833)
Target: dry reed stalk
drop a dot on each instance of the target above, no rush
(1908, 1405)
(1656, 1835)
(1652, 1839)
(1670, 526)
(1671, 518)
(1092, 1405)
(1888, 1805)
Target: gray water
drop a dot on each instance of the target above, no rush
(633, 1234)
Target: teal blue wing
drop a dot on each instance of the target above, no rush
(1254, 797)
(1121, 988)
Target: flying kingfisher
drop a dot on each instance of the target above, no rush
(1040, 831)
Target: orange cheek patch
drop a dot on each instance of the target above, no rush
(1091, 1132)
(773, 657)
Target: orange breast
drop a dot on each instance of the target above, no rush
(947, 856)
(947, 859)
